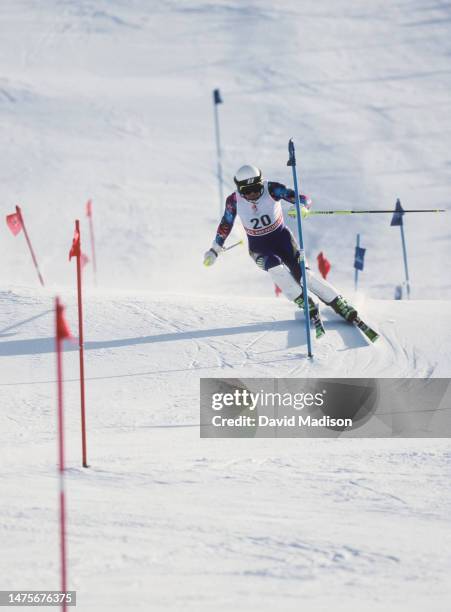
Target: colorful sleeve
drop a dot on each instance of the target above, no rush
(279, 192)
(227, 221)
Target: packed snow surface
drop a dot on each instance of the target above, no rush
(111, 100)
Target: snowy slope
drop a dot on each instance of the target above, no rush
(230, 526)
(163, 520)
(111, 100)
(194, 335)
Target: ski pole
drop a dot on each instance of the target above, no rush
(308, 213)
(292, 162)
(232, 246)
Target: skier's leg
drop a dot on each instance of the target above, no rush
(318, 286)
(279, 273)
(287, 277)
(289, 253)
(282, 277)
(290, 287)
(330, 296)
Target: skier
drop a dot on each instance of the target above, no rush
(272, 245)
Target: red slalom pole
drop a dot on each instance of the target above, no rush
(81, 351)
(27, 238)
(91, 231)
(61, 332)
(76, 252)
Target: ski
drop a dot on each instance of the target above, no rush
(315, 317)
(316, 321)
(365, 329)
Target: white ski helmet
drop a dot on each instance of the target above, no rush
(248, 179)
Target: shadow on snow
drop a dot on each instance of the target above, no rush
(295, 329)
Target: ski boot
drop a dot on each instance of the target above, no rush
(345, 310)
(315, 317)
(349, 313)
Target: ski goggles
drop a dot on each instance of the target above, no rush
(246, 190)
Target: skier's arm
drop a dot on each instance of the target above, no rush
(227, 221)
(223, 231)
(279, 192)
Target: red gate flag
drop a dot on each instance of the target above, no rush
(62, 327)
(75, 248)
(14, 222)
(323, 265)
(89, 208)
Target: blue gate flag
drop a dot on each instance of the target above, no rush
(397, 215)
(217, 96)
(359, 258)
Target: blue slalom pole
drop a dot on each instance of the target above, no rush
(292, 162)
(404, 252)
(397, 220)
(216, 101)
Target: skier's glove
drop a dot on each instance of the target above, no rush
(305, 203)
(304, 212)
(211, 255)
